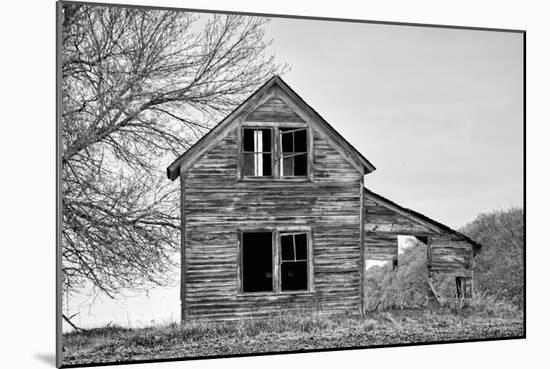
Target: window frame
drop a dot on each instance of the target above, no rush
(464, 284)
(242, 153)
(309, 258)
(276, 261)
(281, 154)
(276, 151)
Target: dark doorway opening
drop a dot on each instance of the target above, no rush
(257, 273)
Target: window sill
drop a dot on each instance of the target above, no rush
(273, 179)
(274, 294)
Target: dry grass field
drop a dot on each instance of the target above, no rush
(296, 332)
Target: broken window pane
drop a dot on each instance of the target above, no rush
(287, 142)
(300, 141)
(300, 165)
(266, 140)
(294, 276)
(294, 152)
(288, 166)
(287, 247)
(300, 240)
(257, 261)
(248, 140)
(248, 164)
(266, 164)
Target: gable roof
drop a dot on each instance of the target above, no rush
(419, 218)
(188, 158)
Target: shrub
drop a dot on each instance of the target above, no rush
(499, 266)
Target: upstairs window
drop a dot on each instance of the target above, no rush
(294, 153)
(275, 152)
(257, 152)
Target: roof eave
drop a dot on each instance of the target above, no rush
(369, 168)
(173, 173)
(476, 246)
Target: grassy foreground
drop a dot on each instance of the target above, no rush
(287, 333)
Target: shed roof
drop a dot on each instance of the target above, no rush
(222, 128)
(420, 218)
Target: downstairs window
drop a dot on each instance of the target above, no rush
(283, 268)
(294, 262)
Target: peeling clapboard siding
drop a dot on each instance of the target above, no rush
(217, 204)
(451, 255)
(382, 226)
(274, 110)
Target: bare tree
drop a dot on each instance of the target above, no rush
(139, 87)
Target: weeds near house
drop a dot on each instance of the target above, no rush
(483, 303)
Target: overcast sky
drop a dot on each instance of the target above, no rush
(437, 111)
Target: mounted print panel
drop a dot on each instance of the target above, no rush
(219, 193)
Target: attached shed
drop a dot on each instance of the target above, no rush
(275, 216)
(448, 251)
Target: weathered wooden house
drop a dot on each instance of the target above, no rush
(275, 216)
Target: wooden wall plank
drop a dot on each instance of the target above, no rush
(274, 110)
(183, 277)
(449, 254)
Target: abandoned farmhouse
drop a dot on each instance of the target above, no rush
(275, 216)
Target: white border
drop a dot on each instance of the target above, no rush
(28, 181)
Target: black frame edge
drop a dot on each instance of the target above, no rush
(58, 195)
